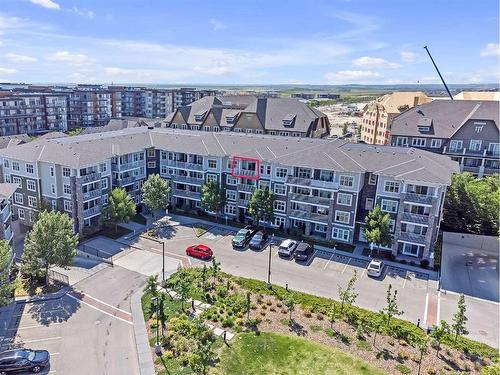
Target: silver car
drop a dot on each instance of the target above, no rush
(375, 268)
(287, 248)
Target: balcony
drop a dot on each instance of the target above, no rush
(127, 166)
(412, 237)
(312, 183)
(471, 169)
(6, 212)
(488, 171)
(246, 187)
(418, 198)
(188, 180)
(184, 165)
(91, 211)
(91, 194)
(8, 234)
(308, 216)
(186, 194)
(415, 218)
(243, 202)
(124, 181)
(91, 177)
(310, 199)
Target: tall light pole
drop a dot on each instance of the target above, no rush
(157, 344)
(163, 263)
(269, 265)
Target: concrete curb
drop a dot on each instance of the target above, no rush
(46, 297)
(144, 356)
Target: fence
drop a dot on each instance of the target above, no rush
(59, 277)
(95, 252)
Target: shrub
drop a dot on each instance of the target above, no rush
(227, 323)
(491, 370)
(307, 314)
(403, 355)
(384, 354)
(364, 345)
(269, 302)
(153, 324)
(279, 304)
(431, 371)
(285, 322)
(424, 263)
(238, 322)
(319, 317)
(263, 307)
(316, 328)
(403, 369)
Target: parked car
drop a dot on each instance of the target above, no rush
(16, 360)
(243, 237)
(287, 247)
(200, 251)
(303, 251)
(259, 240)
(375, 268)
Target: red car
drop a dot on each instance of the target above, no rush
(200, 251)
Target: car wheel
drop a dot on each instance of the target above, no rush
(36, 369)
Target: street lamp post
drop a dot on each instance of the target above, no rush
(163, 263)
(157, 344)
(269, 265)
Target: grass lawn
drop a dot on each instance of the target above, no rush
(270, 353)
(200, 229)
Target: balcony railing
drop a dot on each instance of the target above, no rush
(412, 237)
(8, 233)
(415, 218)
(92, 194)
(312, 183)
(127, 166)
(418, 198)
(309, 216)
(91, 177)
(6, 212)
(310, 199)
(186, 193)
(247, 188)
(91, 211)
(184, 165)
(188, 179)
(124, 181)
(243, 202)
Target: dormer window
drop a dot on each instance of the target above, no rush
(230, 119)
(424, 129)
(289, 120)
(199, 116)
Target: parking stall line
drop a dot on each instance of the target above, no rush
(329, 260)
(363, 273)
(426, 307)
(36, 326)
(345, 267)
(41, 340)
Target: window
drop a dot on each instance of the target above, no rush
(479, 128)
(418, 142)
(279, 189)
(391, 187)
(281, 172)
(494, 148)
(31, 201)
(211, 177)
(435, 143)
(54, 204)
(53, 188)
(17, 180)
(230, 209)
(15, 166)
(104, 183)
(340, 234)
(18, 198)
(342, 217)
(67, 189)
(231, 194)
(369, 204)
(265, 169)
(455, 145)
(410, 249)
(31, 185)
(212, 164)
(389, 205)
(475, 145)
(372, 179)
(320, 228)
(163, 155)
(279, 206)
(51, 171)
(20, 212)
(231, 180)
(66, 172)
(346, 181)
(279, 221)
(7, 178)
(151, 153)
(30, 169)
(6, 163)
(402, 141)
(68, 207)
(344, 199)
(103, 167)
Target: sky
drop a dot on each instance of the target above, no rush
(248, 41)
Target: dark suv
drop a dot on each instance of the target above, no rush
(259, 240)
(243, 237)
(23, 360)
(303, 251)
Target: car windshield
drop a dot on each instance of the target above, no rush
(28, 354)
(257, 237)
(375, 266)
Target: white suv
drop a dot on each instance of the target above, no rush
(375, 268)
(287, 248)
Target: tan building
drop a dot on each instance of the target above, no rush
(478, 95)
(378, 114)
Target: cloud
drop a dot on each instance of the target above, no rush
(374, 63)
(361, 24)
(71, 58)
(352, 76)
(115, 71)
(408, 56)
(212, 70)
(83, 12)
(7, 71)
(49, 4)
(491, 50)
(217, 25)
(13, 57)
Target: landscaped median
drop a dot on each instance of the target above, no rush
(289, 332)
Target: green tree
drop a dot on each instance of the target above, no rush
(212, 197)
(391, 309)
(51, 242)
(261, 205)
(421, 345)
(345, 129)
(207, 355)
(248, 305)
(376, 326)
(348, 295)
(74, 132)
(183, 286)
(121, 207)
(215, 271)
(152, 288)
(289, 302)
(155, 193)
(162, 316)
(438, 334)
(459, 325)
(6, 287)
(332, 314)
(472, 204)
(378, 227)
(204, 278)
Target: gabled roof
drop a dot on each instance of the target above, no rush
(53, 135)
(447, 117)
(12, 140)
(7, 190)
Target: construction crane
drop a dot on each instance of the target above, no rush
(440, 76)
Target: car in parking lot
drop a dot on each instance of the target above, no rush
(375, 268)
(259, 240)
(17, 360)
(287, 247)
(243, 237)
(303, 251)
(199, 251)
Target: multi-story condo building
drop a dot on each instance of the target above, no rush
(89, 108)
(186, 95)
(323, 188)
(378, 114)
(250, 114)
(466, 130)
(6, 192)
(150, 103)
(32, 113)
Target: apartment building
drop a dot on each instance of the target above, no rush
(6, 192)
(250, 114)
(465, 130)
(187, 95)
(150, 103)
(323, 188)
(32, 113)
(378, 114)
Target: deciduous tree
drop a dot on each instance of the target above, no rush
(6, 287)
(121, 207)
(212, 197)
(438, 334)
(289, 302)
(378, 227)
(391, 309)
(348, 295)
(261, 205)
(155, 193)
(459, 325)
